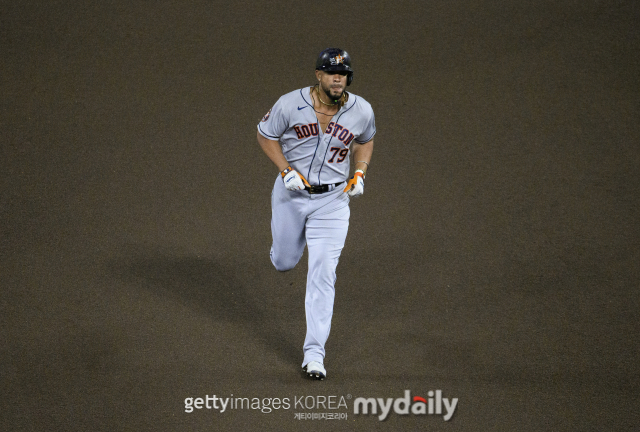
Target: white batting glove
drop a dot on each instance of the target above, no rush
(355, 187)
(293, 180)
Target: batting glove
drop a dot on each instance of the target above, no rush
(293, 180)
(355, 187)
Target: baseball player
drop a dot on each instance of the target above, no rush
(311, 135)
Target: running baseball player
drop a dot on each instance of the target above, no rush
(311, 135)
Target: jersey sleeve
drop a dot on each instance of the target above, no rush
(274, 124)
(369, 129)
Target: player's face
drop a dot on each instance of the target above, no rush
(333, 83)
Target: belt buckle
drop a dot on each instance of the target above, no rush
(316, 189)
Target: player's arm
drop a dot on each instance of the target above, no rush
(362, 153)
(292, 179)
(273, 151)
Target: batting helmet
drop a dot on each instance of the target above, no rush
(335, 60)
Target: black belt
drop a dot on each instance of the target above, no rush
(319, 189)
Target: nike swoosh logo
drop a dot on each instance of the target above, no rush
(301, 108)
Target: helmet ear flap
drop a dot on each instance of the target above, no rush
(349, 78)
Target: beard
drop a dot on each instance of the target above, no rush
(330, 96)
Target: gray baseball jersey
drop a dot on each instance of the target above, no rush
(322, 157)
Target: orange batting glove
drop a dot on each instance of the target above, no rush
(293, 180)
(355, 186)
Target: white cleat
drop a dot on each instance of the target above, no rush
(316, 370)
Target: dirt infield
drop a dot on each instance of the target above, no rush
(494, 255)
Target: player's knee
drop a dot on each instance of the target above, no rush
(282, 268)
(283, 264)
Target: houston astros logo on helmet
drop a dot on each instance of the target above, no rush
(336, 60)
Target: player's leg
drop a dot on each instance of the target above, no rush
(287, 226)
(326, 234)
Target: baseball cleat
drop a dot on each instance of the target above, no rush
(316, 370)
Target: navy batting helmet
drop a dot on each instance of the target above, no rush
(335, 60)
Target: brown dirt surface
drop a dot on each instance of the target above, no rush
(494, 255)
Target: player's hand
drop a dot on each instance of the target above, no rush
(293, 180)
(355, 187)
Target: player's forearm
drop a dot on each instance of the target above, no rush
(273, 151)
(362, 155)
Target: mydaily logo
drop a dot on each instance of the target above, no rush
(404, 406)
